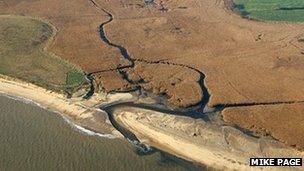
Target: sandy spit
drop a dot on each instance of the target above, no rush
(175, 144)
(223, 149)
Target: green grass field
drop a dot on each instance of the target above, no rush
(274, 10)
(22, 55)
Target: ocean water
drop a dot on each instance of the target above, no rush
(32, 138)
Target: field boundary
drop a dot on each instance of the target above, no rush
(44, 48)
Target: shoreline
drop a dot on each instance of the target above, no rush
(77, 113)
(27, 93)
(204, 143)
(195, 140)
(66, 120)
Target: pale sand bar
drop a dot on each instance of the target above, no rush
(220, 147)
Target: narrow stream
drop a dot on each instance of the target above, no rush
(35, 139)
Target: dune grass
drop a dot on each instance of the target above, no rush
(22, 55)
(273, 10)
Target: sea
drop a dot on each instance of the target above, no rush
(33, 138)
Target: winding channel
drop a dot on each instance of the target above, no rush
(125, 55)
(206, 95)
(196, 111)
(143, 149)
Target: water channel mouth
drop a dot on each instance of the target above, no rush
(33, 138)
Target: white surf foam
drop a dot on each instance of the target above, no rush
(73, 125)
(87, 131)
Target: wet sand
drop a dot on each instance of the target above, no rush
(33, 138)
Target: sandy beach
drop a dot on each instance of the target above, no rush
(80, 112)
(220, 147)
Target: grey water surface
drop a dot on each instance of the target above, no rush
(32, 138)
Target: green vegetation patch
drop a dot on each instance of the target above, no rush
(74, 77)
(22, 55)
(301, 39)
(274, 10)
